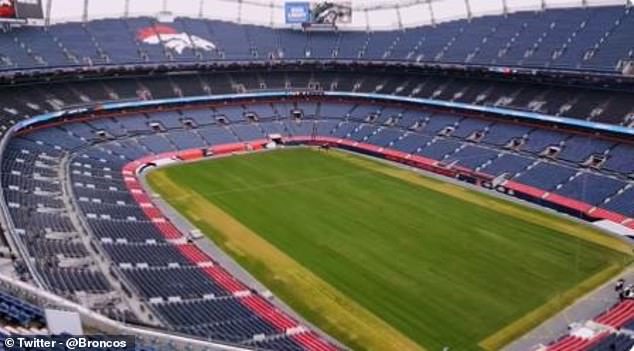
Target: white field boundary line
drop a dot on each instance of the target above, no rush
(590, 296)
(217, 253)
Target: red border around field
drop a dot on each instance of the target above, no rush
(284, 323)
(309, 340)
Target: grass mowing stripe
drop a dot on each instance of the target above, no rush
(341, 316)
(534, 318)
(286, 183)
(579, 230)
(444, 265)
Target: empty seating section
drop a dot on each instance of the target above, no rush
(262, 112)
(594, 38)
(141, 249)
(325, 127)
(579, 149)
(363, 132)
(501, 134)
(364, 113)
(546, 176)
(615, 44)
(538, 140)
(231, 113)
(274, 128)
(42, 221)
(110, 211)
(591, 188)
(186, 282)
(56, 248)
(614, 342)
(439, 122)
(124, 231)
(473, 156)
(388, 115)
(69, 201)
(168, 120)
(199, 117)
(25, 199)
(334, 110)
(621, 202)
(186, 140)
(277, 344)
(439, 149)
(217, 135)
(78, 43)
(468, 127)
(184, 286)
(248, 132)
(384, 137)
(111, 34)
(309, 109)
(130, 149)
(156, 143)
(345, 129)
(210, 311)
(108, 125)
(73, 280)
(590, 32)
(507, 164)
(620, 159)
(15, 311)
(19, 317)
(603, 106)
(411, 142)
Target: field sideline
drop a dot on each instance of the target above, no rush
(385, 259)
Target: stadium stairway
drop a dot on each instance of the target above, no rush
(123, 178)
(309, 340)
(562, 38)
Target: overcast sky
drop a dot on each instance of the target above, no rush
(64, 10)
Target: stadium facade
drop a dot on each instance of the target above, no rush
(529, 99)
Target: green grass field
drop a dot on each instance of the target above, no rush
(441, 265)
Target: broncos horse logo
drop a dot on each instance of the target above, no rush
(173, 40)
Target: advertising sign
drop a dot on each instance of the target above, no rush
(297, 12)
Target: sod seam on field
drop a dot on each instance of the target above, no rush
(248, 248)
(355, 245)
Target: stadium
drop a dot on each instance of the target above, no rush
(220, 175)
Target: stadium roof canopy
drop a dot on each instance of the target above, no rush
(367, 14)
